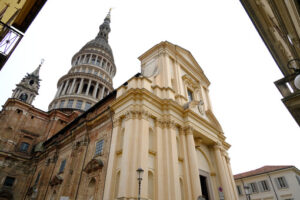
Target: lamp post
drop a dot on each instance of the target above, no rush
(140, 173)
(294, 65)
(247, 192)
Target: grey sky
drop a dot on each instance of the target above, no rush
(218, 33)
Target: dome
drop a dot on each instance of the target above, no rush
(99, 43)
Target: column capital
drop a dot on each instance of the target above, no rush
(188, 130)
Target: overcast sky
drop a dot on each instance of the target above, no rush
(218, 33)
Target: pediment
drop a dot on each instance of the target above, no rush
(93, 165)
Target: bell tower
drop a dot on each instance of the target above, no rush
(28, 88)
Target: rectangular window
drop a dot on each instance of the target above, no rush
(24, 147)
(264, 185)
(62, 166)
(253, 187)
(99, 147)
(97, 62)
(239, 190)
(281, 182)
(79, 104)
(62, 104)
(70, 103)
(190, 95)
(87, 105)
(37, 178)
(9, 181)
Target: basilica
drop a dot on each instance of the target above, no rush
(94, 138)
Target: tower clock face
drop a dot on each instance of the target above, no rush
(23, 97)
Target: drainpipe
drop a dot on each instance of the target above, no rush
(51, 172)
(273, 186)
(86, 150)
(30, 182)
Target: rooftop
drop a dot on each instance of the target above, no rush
(262, 170)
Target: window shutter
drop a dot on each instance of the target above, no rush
(277, 183)
(286, 183)
(298, 179)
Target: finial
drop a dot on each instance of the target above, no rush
(42, 61)
(108, 14)
(37, 71)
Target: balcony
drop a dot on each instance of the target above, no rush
(291, 95)
(9, 40)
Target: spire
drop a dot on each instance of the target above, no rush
(37, 70)
(104, 28)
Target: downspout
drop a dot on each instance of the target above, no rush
(51, 175)
(30, 182)
(112, 127)
(273, 186)
(86, 150)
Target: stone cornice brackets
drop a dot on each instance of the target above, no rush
(57, 179)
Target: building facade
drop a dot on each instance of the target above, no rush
(160, 120)
(278, 24)
(15, 18)
(164, 124)
(270, 183)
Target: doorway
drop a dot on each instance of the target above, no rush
(204, 187)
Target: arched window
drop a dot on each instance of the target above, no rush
(91, 189)
(24, 147)
(150, 185)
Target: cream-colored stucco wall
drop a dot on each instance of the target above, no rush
(173, 140)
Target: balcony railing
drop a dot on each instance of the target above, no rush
(9, 40)
(291, 95)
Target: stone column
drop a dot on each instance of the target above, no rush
(192, 157)
(95, 90)
(126, 164)
(88, 88)
(111, 173)
(72, 87)
(59, 90)
(186, 175)
(174, 167)
(160, 180)
(231, 178)
(101, 61)
(80, 86)
(221, 170)
(102, 92)
(143, 153)
(65, 88)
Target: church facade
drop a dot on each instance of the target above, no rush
(93, 139)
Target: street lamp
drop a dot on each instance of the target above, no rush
(247, 192)
(292, 64)
(140, 173)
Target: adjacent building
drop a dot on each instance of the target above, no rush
(278, 24)
(94, 137)
(270, 183)
(15, 18)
